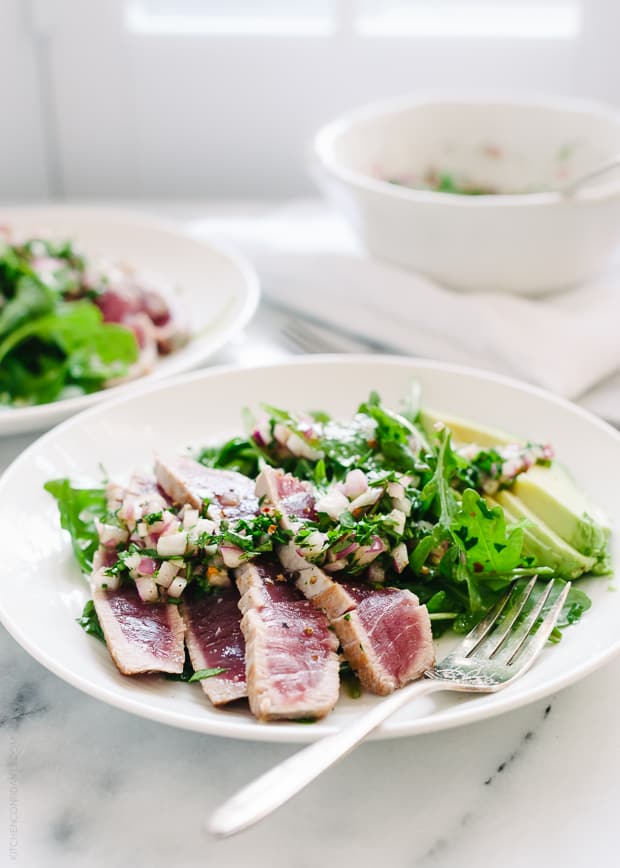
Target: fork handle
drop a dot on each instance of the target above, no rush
(272, 789)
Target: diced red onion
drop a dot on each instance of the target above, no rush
(347, 551)
(368, 498)
(172, 544)
(403, 504)
(376, 545)
(395, 489)
(147, 566)
(314, 544)
(281, 433)
(400, 557)
(109, 535)
(355, 484)
(133, 561)
(99, 579)
(147, 589)
(335, 566)
(300, 448)
(397, 519)
(167, 573)
(366, 554)
(333, 503)
(376, 572)
(232, 556)
(229, 498)
(176, 587)
(190, 517)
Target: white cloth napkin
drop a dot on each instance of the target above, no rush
(307, 259)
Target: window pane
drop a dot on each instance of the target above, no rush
(268, 17)
(512, 19)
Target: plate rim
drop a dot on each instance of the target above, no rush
(18, 420)
(285, 733)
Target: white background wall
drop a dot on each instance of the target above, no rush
(220, 97)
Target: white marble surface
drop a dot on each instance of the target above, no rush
(87, 785)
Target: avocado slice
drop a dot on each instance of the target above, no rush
(549, 549)
(464, 431)
(551, 494)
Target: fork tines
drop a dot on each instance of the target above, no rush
(513, 633)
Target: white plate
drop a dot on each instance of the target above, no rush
(216, 291)
(42, 591)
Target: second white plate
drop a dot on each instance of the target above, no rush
(215, 290)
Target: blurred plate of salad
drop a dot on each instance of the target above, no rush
(94, 299)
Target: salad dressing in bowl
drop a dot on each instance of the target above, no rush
(398, 171)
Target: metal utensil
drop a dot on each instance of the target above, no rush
(500, 649)
(573, 187)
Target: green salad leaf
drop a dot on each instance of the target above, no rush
(89, 621)
(79, 507)
(30, 299)
(438, 489)
(481, 532)
(240, 454)
(71, 346)
(201, 674)
(53, 340)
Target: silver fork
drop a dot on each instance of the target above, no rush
(311, 336)
(500, 649)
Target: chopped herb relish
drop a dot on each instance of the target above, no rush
(395, 504)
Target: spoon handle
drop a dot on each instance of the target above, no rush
(573, 187)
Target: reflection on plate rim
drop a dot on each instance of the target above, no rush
(250, 730)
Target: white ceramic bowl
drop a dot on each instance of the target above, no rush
(524, 243)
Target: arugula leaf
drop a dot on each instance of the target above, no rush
(482, 534)
(240, 454)
(89, 621)
(439, 489)
(421, 552)
(188, 675)
(398, 439)
(577, 602)
(78, 509)
(201, 674)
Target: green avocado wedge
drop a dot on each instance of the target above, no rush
(551, 494)
(464, 431)
(549, 549)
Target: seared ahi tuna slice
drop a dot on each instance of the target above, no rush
(141, 637)
(141, 497)
(385, 634)
(295, 499)
(386, 638)
(214, 640)
(184, 480)
(291, 661)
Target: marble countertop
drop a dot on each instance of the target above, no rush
(86, 784)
